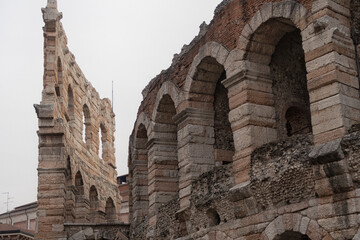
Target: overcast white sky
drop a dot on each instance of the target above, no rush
(128, 42)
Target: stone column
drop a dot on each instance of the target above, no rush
(82, 206)
(51, 177)
(140, 199)
(163, 172)
(252, 115)
(195, 148)
(330, 62)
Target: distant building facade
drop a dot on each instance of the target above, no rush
(123, 184)
(9, 232)
(22, 217)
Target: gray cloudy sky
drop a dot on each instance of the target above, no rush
(128, 42)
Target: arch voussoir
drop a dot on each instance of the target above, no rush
(210, 49)
(294, 222)
(171, 89)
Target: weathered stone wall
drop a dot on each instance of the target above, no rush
(221, 211)
(225, 28)
(76, 183)
(287, 69)
(97, 231)
(281, 173)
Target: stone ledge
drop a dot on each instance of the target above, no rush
(240, 191)
(327, 152)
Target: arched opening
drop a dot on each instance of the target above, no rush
(139, 170)
(103, 154)
(86, 133)
(163, 161)
(79, 184)
(94, 203)
(292, 235)
(224, 140)
(70, 108)
(277, 43)
(213, 217)
(110, 210)
(81, 207)
(208, 86)
(290, 86)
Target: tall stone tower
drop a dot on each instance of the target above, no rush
(76, 172)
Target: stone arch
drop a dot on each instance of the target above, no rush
(210, 49)
(290, 10)
(144, 120)
(94, 203)
(78, 181)
(171, 89)
(294, 223)
(259, 82)
(162, 153)
(81, 205)
(200, 104)
(110, 210)
(138, 172)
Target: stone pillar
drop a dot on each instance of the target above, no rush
(163, 172)
(70, 203)
(330, 62)
(195, 148)
(252, 115)
(51, 176)
(82, 206)
(139, 181)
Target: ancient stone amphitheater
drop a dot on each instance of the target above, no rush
(249, 134)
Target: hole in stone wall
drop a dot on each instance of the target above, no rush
(213, 217)
(57, 91)
(297, 121)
